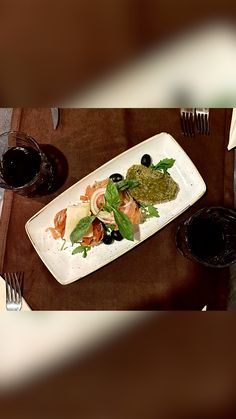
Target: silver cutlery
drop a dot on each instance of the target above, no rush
(187, 121)
(13, 290)
(55, 117)
(202, 121)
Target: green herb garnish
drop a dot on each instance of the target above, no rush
(112, 202)
(149, 211)
(125, 226)
(82, 228)
(81, 249)
(109, 227)
(112, 197)
(163, 165)
(127, 184)
(107, 208)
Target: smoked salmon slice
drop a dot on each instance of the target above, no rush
(60, 224)
(96, 238)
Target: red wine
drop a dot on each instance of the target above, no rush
(20, 165)
(205, 238)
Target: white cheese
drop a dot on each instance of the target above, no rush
(73, 215)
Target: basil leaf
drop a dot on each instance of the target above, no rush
(81, 229)
(111, 195)
(127, 184)
(163, 165)
(124, 224)
(107, 208)
(81, 249)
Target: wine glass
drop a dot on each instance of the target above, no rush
(209, 237)
(24, 168)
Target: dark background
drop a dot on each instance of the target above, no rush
(52, 49)
(172, 366)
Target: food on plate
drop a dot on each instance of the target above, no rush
(73, 215)
(59, 225)
(107, 239)
(146, 160)
(111, 208)
(116, 177)
(66, 221)
(116, 235)
(154, 186)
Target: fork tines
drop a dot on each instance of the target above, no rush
(202, 121)
(13, 290)
(187, 121)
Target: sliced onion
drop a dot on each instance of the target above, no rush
(104, 216)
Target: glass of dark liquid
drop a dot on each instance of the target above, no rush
(24, 168)
(209, 237)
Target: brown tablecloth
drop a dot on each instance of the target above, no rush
(153, 275)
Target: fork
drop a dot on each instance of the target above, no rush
(187, 121)
(13, 290)
(202, 121)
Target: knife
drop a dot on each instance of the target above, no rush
(55, 117)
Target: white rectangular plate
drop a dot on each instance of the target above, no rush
(67, 268)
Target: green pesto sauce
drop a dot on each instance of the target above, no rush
(154, 186)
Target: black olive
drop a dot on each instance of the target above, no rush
(107, 239)
(146, 160)
(116, 235)
(116, 177)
